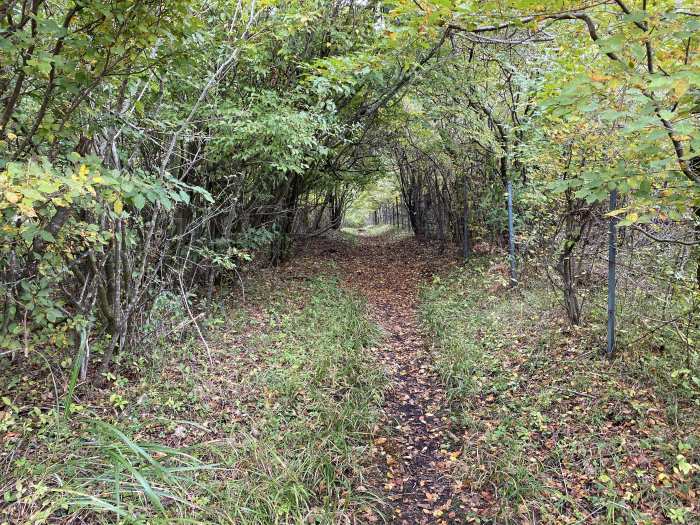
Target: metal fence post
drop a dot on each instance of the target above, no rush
(612, 277)
(466, 241)
(511, 236)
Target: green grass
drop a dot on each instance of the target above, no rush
(553, 433)
(379, 230)
(275, 432)
(321, 396)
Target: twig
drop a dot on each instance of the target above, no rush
(658, 239)
(569, 391)
(182, 325)
(194, 319)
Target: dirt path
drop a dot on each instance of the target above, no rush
(415, 447)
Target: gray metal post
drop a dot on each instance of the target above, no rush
(612, 277)
(466, 241)
(511, 236)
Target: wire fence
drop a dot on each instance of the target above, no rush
(638, 282)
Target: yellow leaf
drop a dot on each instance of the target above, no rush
(12, 197)
(118, 207)
(615, 213)
(680, 87)
(632, 217)
(11, 136)
(27, 210)
(595, 77)
(84, 170)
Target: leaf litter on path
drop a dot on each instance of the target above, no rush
(415, 446)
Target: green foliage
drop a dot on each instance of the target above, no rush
(369, 199)
(645, 97)
(196, 124)
(272, 132)
(151, 150)
(49, 217)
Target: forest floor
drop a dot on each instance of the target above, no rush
(499, 412)
(416, 445)
(370, 379)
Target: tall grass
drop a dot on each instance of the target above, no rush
(297, 456)
(93, 472)
(322, 393)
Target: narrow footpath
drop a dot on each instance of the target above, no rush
(416, 445)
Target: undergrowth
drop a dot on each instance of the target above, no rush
(554, 433)
(274, 430)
